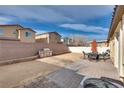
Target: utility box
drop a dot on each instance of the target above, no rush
(46, 52)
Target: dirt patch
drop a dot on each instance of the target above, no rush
(62, 60)
(75, 66)
(16, 74)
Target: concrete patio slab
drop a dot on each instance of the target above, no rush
(66, 78)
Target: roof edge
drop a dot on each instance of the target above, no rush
(48, 33)
(11, 25)
(27, 29)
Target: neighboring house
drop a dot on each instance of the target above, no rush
(16, 33)
(48, 37)
(67, 41)
(74, 41)
(116, 39)
(100, 43)
(26, 35)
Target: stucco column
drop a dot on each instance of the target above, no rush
(111, 45)
(48, 38)
(116, 63)
(19, 35)
(122, 48)
(0, 49)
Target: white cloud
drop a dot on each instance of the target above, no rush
(42, 31)
(84, 12)
(85, 28)
(39, 13)
(56, 13)
(4, 20)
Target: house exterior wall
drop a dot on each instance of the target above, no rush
(111, 45)
(24, 38)
(42, 38)
(100, 44)
(122, 48)
(48, 38)
(12, 32)
(54, 38)
(67, 41)
(9, 32)
(116, 44)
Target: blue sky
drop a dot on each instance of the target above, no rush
(90, 21)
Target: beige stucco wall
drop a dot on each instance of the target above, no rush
(122, 48)
(49, 38)
(118, 26)
(14, 50)
(23, 38)
(117, 49)
(42, 38)
(111, 45)
(9, 31)
(54, 38)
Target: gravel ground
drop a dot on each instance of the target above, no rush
(62, 60)
(63, 78)
(41, 82)
(72, 74)
(64, 70)
(98, 69)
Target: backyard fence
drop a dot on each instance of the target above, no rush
(87, 49)
(15, 50)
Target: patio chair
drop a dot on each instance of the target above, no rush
(85, 55)
(93, 55)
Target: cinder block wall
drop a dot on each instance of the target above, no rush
(14, 50)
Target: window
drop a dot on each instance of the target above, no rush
(15, 33)
(1, 31)
(27, 34)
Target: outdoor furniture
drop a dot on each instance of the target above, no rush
(85, 55)
(105, 55)
(93, 55)
(97, 56)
